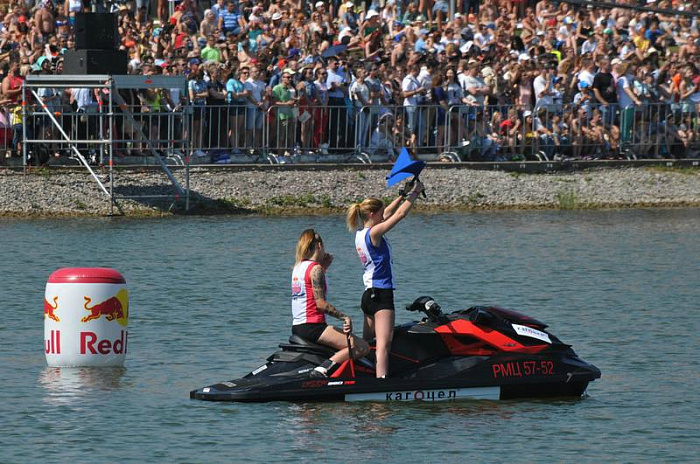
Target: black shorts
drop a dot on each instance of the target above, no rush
(309, 332)
(375, 299)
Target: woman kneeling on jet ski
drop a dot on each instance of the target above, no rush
(370, 220)
(309, 304)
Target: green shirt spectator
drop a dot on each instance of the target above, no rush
(282, 93)
(211, 54)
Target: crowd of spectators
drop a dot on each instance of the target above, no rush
(497, 80)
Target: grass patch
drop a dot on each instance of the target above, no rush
(474, 197)
(325, 201)
(233, 203)
(567, 199)
(80, 205)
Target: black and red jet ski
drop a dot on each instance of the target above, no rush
(478, 353)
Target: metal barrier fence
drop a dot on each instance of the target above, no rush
(466, 133)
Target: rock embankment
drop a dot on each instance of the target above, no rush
(48, 193)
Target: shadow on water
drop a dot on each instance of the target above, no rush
(165, 199)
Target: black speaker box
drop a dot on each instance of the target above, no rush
(95, 62)
(96, 31)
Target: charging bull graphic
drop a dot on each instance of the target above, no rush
(116, 307)
(50, 309)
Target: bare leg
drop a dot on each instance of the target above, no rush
(335, 338)
(368, 329)
(384, 327)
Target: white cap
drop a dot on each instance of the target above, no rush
(276, 16)
(371, 14)
(349, 5)
(466, 46)
(527, 113)
(319, 4)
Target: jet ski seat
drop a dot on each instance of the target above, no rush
(296, 341)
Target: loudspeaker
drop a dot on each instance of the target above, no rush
(96, 31)
(95, 62)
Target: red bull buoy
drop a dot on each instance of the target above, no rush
(86, 318)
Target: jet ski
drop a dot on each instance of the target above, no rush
(483, 352)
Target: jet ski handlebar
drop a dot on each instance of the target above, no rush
(427, 306)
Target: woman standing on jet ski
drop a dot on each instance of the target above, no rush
(309, 304)
(371, 220)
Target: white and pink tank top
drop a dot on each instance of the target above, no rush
(304, 310)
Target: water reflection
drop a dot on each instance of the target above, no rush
(66, 385)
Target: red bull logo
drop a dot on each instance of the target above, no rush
(50, 309)
(296, 286)
(114, 308)
(363, 257)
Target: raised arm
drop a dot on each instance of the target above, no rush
(377, 231)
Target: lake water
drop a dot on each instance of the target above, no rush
(209, 301)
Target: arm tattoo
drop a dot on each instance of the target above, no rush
(318, 280)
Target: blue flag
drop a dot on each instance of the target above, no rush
(404, 167)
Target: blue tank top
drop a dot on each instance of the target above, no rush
(379, 272)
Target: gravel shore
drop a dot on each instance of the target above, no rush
(51, 193)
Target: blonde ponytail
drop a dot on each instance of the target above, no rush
(358, 213)
(353, 219)
(305, 245)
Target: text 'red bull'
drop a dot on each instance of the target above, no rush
(53, 344)
(88, 340)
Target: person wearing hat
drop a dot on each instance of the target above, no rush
(484, 39)
(284, 98)
(209, 24)
(349, 18)
(627, 100)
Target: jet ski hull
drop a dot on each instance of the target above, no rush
(492, 379)
(477, 353)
